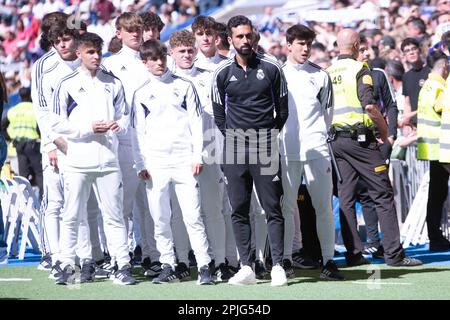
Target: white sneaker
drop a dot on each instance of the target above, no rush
(245, 276)
(278, 276)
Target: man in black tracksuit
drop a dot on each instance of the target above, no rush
(249, 96)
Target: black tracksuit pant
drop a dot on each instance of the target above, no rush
(364, 160)
(240, 179)
(437, 194)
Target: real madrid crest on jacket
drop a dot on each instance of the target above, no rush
(259, 82)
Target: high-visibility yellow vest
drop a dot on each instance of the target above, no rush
(444, 136)
(22, 122)
(348, 110)
(428, 120)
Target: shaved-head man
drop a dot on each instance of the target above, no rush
(356, 130)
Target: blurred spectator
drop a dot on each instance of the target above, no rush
(443, 6)
(395, 71)
(414, 79)
(25, 73)
(318, 51)
(386, 42)
(105, 9)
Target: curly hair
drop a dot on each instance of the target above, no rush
(182, 38)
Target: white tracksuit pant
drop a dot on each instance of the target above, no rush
(259, 225)
(54, 194)
(88, 234)
(54, 198)
(319, 183)
(179, 232)
(187, 192)
(143, 226)
(298, 242)
(211, 194)
(134, 207)
(108, 187)
(214, 214)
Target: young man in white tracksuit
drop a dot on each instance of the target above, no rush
(127, 66)
(183, 51)
(47, 72)
(51, 204)
(170, 137)
(204, 29)
(304, 149)
(90, 112)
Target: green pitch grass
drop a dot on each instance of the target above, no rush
(424, 282)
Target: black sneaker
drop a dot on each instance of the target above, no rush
(223, 272)
(46, 263)
(370, 249)
(183, 272)
(260, 270)
(167, 275)
(356, 260)
(330, 272)
(87, 271)
(104, 269)
(137, 254)
(287, 266)
(153, 270)
(301, 260)
(67, 276)
(123, 276)
(407, 262)
(232, 269)
(379, 254)
(204, 276)
(439, 246)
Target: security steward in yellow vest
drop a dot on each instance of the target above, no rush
(356, 124)
(23, 131)
(432, 145)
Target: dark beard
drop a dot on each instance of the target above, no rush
(244, 52)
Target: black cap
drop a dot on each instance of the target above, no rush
(388, 41)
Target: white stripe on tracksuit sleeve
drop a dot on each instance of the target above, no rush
(194, 109)
(59, 121)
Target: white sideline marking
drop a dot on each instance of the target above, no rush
(15, 279)
(379, 282)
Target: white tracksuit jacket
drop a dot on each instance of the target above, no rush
(46, 74)
(304, 151)
(74, 103)
(310, 112)
(128, 67)
(168, 122)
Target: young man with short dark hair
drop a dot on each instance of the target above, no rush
(304, 147)
(169, 104)
(127, 66)
(91, 154)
